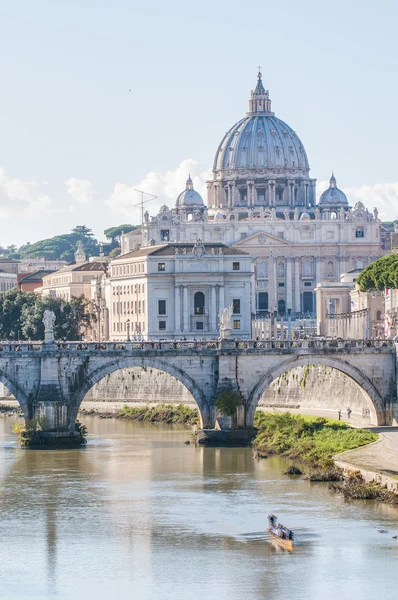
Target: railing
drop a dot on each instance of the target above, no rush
(181, 346)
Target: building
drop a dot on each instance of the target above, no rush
(262, 201)
(9, 268)
(172, 291)
(75, 279)
(31, 264)
(29, 282)
(343, 311)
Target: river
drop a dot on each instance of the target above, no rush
(138, 514)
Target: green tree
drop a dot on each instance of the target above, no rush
(380, 275)
(21, 316)
(113, 233)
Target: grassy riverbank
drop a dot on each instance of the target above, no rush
(312, 441)
(161, 413)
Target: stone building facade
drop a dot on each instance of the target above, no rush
(262, 200)
(176, 291)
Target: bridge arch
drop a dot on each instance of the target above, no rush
(206, 412)
(366, 386)
(17, 392)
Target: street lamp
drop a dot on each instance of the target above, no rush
(128, 329)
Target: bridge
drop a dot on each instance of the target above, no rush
(51, 379)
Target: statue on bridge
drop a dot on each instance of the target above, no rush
(225, 315)
(48, 320)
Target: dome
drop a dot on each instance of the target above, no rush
(333, 195)
(189, 197)
(261, 141)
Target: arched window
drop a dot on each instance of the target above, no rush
(359, 264)
(281, 269)
(262, 269)
(281, 307)
(378, 315)
(330, 269)
(199, 303)
(333, 215)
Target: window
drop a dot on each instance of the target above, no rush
(199, 325)
(281, 307)
(261, 196)
(308, 302)
(262, 301)
(164, 235)
(236, 266)
(330, 269)
(161, 307)
(360, 232)
(281, 284)
(161, 266)
(378, 315)
(307, 283)
(243, 197)
(236, 324)
(236, 306)
(162, 325)
(359, 264)
(281, 269)
(199, 303)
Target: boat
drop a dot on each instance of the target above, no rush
(279, 534)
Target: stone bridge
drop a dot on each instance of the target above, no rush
(51, 379)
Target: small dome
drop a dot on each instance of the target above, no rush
(305, 217)
(333, 195)
(189, 197)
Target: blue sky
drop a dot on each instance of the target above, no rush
(75, 140)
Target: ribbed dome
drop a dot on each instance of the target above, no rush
(189, 197)
(333, 195)
(261, 140)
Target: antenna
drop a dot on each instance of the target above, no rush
(152, 197)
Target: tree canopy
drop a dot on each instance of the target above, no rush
(62, 247)
(21, 316)
(380, 275)
(114, 233)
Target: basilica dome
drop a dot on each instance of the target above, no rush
(261, 141)
(333, 195)
(189, 198)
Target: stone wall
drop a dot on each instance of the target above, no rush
(140, 384)
(316, 387)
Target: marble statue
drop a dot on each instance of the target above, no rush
(225, 315)
(48, 320)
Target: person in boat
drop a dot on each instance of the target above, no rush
(272, 520)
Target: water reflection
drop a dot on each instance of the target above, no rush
(138, 513)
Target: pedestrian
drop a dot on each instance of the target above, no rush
(339, 415)
(349, 411)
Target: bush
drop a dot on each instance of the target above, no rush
(227, 402)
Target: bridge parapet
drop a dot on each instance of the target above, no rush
(193, 346)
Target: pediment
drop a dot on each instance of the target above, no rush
(262, 238)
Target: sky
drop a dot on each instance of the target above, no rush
(99, 98)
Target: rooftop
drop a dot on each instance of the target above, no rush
(183, 248)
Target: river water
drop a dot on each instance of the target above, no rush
(137, 514)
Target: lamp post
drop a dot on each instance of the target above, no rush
(289, 323)
(128, 329)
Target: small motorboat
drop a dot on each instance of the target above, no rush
(280, 534)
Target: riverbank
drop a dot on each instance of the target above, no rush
(152, 413)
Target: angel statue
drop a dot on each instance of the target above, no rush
(225, 315)
(48, 320)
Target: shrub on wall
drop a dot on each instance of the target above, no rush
(227, 402)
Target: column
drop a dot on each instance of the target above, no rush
(289, 283)
(254, 197)
(221, 297)
(185, 308)
(297, 300)
(318, 275)
(177, 309)
(213, 309)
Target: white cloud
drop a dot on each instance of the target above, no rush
(383, 196)
(80, 190)
(166, 186)
(22, 198)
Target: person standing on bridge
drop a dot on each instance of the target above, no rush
(349, 411)
(339, 414)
